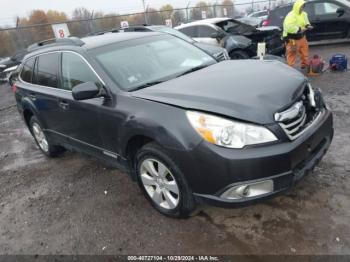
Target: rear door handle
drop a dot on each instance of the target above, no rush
(63, 104)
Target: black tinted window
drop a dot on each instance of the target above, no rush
(76, 71)
(280, 13)
(190, 31)
(205, 31)
(325, 8)
(47, 70)
(27, 70)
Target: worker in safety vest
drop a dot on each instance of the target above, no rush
(295, 26)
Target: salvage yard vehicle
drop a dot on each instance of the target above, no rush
(330, 19)
(187, 128)
(217, 52)
(7, 66)
(240, 39)
(259, 14)
(255, 17)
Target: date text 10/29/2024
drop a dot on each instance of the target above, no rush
(173, 258)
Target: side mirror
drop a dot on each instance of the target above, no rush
(85, 91)
(340, 11)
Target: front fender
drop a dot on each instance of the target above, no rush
(150, 129)
(167, 125)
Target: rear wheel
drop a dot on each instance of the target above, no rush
(41, 139)
(239, 54)
(162, 182)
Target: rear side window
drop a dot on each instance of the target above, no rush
(47, 70)
(27, 71)
(191, 31)
(325, 8)
(205, 31)
(76, 71)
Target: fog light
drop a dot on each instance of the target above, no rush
(249, 190)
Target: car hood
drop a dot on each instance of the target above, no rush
(247, 90)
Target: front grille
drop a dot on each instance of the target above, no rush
(294, 126)
(220, 56)
(301, 115)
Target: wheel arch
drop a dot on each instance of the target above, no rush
(133, 144)
(136, 141)
(29, 110)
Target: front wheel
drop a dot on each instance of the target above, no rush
(162, 182)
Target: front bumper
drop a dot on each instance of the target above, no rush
(285, 163)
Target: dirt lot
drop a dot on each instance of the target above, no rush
(76, 205)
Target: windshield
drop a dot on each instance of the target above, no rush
(140, 62)
(234, 26)
(168, 30)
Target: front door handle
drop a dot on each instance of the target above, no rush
(63, 104)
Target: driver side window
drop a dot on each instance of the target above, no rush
(76, 71)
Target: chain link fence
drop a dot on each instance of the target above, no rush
(20, 37)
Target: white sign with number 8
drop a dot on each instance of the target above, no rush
(60, 30)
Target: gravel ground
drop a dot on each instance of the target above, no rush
(74, 204)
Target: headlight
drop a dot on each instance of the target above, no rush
(228, 133)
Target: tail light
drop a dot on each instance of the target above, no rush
(14, 88)
(266, 22)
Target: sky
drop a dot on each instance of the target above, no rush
(9, 9)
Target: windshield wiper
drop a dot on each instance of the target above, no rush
(147, 85)
(192, 70)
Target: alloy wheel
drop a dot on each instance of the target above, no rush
(159, 183)
(40, 137)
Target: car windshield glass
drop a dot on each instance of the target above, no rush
(168, 30)
(234, 27)
(141, 62)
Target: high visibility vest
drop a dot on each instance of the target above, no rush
(295, 20)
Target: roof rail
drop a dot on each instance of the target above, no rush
(114, 30)
(54, 42)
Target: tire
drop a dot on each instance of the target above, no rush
(165, 200)
(41, 140)
(238, 54)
